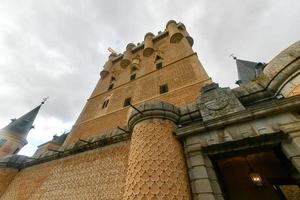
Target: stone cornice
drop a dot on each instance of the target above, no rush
(254, 112)
(151, 110)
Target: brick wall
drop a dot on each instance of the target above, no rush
(182, 73)
(184, 78)
(6, 176)
(181, 70)
(156, 166)
(96, 126)
(97, 174)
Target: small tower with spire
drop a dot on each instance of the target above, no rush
(13, 136)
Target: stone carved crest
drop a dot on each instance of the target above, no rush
(215, 102)
(219, 102)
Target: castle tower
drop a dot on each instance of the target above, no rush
(156, 165)
(13, 136)
(163, 67)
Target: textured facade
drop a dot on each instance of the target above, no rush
(98, 174)
(156, 166)
(157, 127)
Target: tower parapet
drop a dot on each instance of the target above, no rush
(148, 44)
(174, 33)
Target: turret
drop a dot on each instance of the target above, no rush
(148, 45)
(182, 28)
(127, 55)
(13, 136)
(174, 33)
(108, 65)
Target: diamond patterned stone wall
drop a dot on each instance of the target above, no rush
(92, 175)
(156, 166)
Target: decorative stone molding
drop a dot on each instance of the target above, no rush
(151, 110)
(274, 78)
(215, 102)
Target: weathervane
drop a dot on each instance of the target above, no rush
(44, 100)
(233, 56)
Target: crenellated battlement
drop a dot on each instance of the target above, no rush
(174, 31)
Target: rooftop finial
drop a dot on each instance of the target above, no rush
(111, 50)
(233, 56)
(44, 100)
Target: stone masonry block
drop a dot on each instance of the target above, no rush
(203, 197)
(201, 186)
(216, 188)
(211, 173)
(195, 160)
(193, 140)
(198, 172)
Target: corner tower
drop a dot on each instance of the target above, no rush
(163, 67)
(13, 136)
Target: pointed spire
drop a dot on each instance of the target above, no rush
(24, 124)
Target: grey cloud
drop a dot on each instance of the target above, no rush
(57, 48)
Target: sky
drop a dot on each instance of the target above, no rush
(57, 48)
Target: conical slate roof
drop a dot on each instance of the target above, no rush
(22, 125)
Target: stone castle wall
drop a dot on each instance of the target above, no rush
(180, 69)
(97, 174)
(156, 164)
(99, 125)
(6, 176)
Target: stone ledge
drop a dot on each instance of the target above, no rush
(151, 110)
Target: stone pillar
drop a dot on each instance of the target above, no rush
(203, 180)
(156, 166)
(291, 147)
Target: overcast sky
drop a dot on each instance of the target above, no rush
(57, 48)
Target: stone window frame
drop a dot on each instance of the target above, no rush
(164, 88)
(158, 62)
(133, 76)
(106, 102)
(111, 86)
(112, 79)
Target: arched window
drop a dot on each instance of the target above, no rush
(106, 102)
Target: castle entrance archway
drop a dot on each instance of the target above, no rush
(257, 175)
